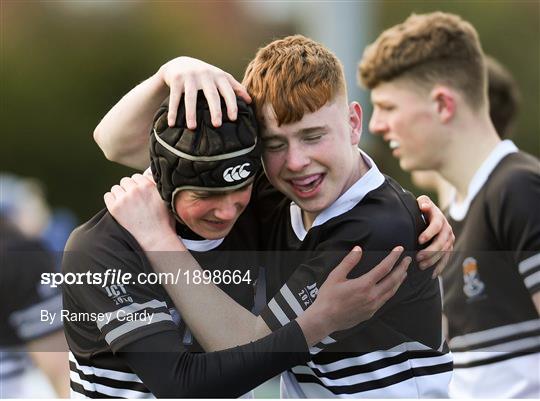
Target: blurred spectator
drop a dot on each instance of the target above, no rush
(23, 203)
(25, 339)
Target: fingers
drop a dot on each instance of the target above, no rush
(109, 200)
(430, 260)
(441, 265)
(239, 89)
(391, 283)
(127, 183)
(424, 202)
(174, 102)
(143, 179)
(434, 216)
(117, 191)
(443, 242)
(148, 173)
(385, 266)
(227, 92)
(434, 228)
(341, 271)
(214, 102)
(190, 102)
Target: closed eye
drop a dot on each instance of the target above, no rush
(385, 107)
(273, 145)
(313, 138)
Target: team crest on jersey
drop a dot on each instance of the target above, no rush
(118, 293)
(472, 285)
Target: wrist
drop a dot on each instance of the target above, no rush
(161, 242)
(158, 80)
(314, 325)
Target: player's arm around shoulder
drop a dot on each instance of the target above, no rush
(379, 231)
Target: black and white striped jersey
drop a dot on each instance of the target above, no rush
(135, 312)
(23, 300)
(494, 329)
(397, 353)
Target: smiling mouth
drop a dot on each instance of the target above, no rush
(306, 184)
(393, 144)
(218, 223)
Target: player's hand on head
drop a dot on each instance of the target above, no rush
(186, 75)
(137, 206)
(439, 232)
(348, 302)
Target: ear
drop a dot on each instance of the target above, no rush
(444, 100)
(355, 121)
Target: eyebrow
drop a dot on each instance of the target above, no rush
(303, 131)
(218, 193)
(380, 102)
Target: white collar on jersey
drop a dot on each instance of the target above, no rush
(203, 245)
(458, 211)
(371, 180)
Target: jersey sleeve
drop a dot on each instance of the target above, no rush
(516, 222)
(123, 312)
(24, 296)
(301, 289)
(171, 373)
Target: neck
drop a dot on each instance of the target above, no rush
(358, 172)
(465, 154)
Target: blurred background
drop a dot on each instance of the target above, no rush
(65, 63)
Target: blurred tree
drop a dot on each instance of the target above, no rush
(64, 64)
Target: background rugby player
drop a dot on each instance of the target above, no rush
(432, 107)
(504, 101)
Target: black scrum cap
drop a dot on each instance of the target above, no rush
(207, 158)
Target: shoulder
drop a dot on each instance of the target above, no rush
(101, 230)
(386, 217)
(101, 241)
(516, 180)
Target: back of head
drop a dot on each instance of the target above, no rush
(435, 48)
(294, 75)
(504, 97)
(208, 158)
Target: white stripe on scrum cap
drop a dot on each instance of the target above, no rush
(224, 156)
